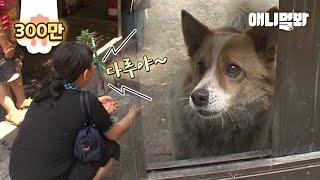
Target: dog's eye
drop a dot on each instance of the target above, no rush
(201, 67)
(233, 70)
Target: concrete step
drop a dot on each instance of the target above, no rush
(7, 134)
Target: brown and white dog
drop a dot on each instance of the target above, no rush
(222, 104)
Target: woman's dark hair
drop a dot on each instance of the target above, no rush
(69, 60)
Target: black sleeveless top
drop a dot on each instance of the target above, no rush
(44, 146)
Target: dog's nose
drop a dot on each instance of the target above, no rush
(200, 97)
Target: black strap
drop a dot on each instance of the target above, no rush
(86, 105)
(81, 102)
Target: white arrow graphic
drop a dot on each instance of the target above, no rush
(115, 51)
(123, 89)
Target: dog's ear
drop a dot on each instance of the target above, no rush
(265, 38)
(194, 32)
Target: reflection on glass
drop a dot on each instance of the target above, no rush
(214, 95)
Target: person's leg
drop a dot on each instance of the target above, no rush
(103, 171)
(17, 88)
(18, 91)
(13, 114)
(5, 99)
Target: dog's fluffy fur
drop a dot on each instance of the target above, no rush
(234, 66)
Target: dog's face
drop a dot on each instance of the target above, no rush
(232, 72)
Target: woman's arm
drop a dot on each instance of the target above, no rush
(119, 128)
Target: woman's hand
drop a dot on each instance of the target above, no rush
(109, 104)
(119, 128)
(134, 111)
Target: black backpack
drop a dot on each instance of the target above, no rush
(89, 145)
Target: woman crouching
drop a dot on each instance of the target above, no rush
(44, 146)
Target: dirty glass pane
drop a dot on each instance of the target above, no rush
(205, 81)
(211, 97)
